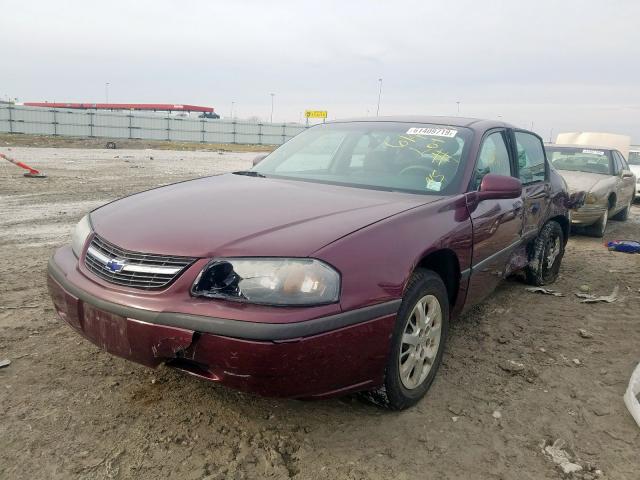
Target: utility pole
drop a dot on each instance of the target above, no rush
(106, 91)
(272, 95)
(379, 95)
(458, 107)
(232, 105)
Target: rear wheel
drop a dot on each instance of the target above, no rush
(546, 255)
(598, 228)
(421, 330)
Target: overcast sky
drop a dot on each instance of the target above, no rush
(564, 65)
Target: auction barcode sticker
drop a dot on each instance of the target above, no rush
(436, 132)
(594, 152)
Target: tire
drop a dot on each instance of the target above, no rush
(546, 255)
(402, 390)
(598, 228)
(623, 214)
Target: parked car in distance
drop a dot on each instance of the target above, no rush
(334, 265)
(634, 165)
(604, 175)
(212, 115)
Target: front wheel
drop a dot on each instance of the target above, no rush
(598, 228)
(623, 214)
(546, 255)
(418, 340)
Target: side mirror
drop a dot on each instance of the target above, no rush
(259, 158)
(627, 174)
(495, 186)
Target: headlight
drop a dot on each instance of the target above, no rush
(591, 198)
(80, 234)
(269, 281)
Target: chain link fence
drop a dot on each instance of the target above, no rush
(129, 125)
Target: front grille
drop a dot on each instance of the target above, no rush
(133, 269)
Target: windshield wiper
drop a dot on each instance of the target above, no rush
(250, 173)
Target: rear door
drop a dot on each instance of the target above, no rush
(624, 182)
(533, 173)
(497, 223)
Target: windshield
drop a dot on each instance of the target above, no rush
(634, 158)
(410, 157)
(579, 159)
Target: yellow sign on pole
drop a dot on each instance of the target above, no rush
(315, 113)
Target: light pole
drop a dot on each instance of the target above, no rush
(379, 95)
(458, 107)
(272, 95)
(106, 91)
(232, 105)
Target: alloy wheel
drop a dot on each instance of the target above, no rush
(420, 342)
(552, 251)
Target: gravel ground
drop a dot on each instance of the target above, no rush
(70, 410)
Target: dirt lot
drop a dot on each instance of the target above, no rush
(51, 141)
(68, 410)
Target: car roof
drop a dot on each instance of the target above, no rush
(570, 145)
(472, 123)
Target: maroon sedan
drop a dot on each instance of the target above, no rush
(334, 265)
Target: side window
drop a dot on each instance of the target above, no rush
(493, 158)
(623, 163)
(617, 163)
(531, 164)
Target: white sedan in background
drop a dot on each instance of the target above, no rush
(634, 165)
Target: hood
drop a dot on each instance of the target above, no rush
(582, 181)
(235, 215)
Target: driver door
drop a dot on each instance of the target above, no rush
(497, 223)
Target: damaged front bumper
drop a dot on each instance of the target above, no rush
(308, 359)
(587, 214)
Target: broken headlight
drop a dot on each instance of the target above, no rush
(80, 234)
(269, 281)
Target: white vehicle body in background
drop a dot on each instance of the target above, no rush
(634, 165)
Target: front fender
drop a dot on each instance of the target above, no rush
(377, 261)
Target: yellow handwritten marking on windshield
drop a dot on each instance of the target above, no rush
(441, 158)
(404, 141)
(438, 157)
(435, 177)
(421, 153)
(434, 143)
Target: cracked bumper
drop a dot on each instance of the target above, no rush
(349, 356)
(587, 214)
